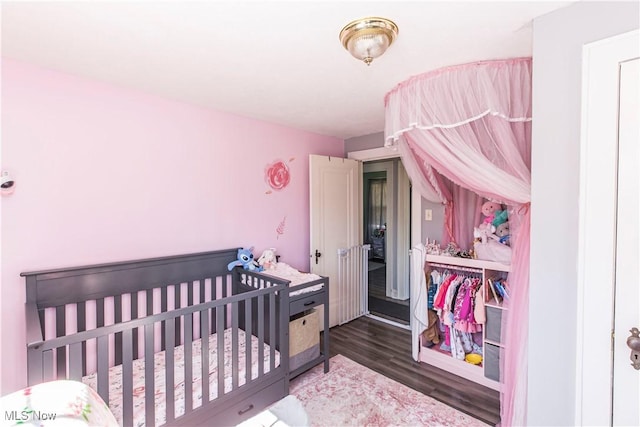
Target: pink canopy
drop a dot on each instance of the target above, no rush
(472, 124)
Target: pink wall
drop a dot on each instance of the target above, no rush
(107, 174)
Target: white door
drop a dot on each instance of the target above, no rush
(335, 214)
(626, 379)
(607, 387)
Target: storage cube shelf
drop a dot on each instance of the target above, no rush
(488, 372)
(304, 340)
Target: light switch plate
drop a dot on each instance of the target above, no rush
(428, 214)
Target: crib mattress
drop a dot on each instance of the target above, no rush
(115, 376)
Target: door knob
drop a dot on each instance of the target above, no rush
(633, 342)
(317, 255)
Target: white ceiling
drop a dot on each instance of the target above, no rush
(277, 61)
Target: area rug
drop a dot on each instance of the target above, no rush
(353, 395)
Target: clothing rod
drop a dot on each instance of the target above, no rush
(454, 267)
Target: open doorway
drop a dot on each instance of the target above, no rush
(386, 221)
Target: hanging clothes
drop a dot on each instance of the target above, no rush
(454, 296)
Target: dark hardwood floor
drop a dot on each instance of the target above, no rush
(386, 349)
(379, 303)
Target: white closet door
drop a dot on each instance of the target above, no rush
(626, 379)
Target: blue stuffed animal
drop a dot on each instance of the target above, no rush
(245, 259)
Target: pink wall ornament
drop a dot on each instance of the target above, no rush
(280, 227)
(277, 175)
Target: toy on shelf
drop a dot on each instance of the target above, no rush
(454, 250)
(500, 217)
(489, 210)
(432, 247)
(483, 231)
(502, 233)
(492, 235)
(245, 260)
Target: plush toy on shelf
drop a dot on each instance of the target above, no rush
(492, 235)
(484, 231)
(489, 210)
(502, 233)
(245, 260)
(268, 259)
(500, 217)
(433, 248)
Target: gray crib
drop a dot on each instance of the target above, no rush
(103, 322)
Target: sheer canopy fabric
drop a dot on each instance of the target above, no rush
(472, 124)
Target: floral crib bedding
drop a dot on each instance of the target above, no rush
(115, 376)
(56, 403)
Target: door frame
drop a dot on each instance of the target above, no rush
(389, 153)
(597, 218)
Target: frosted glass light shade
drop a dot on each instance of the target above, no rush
(368, 38)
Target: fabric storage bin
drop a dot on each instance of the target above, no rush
(304, 340)
(491, 361)
(494, 324)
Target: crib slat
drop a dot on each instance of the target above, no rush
(223, 289)
(176, 305)
(127, 377)
(134, 315)
(188, 368)
(149, 390)
(149, 302)
(220, 349)
(61, 352)
(214, 317)
(202, 293)
(99, 312)
(117, 310)
(47, 365)
(234, 346)
(260, 335)
(103, 367)
(247, 332)
(82, 326)
(272, 331)
(169, 370)
(41, 316)
(204, 355)
(163, 309)
(75, 361)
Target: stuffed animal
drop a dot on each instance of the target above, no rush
(489, 209)
(500, 217)
(502, 233)
(268, 259)
(484, 231)
(245, 259)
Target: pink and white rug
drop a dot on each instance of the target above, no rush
(353, 395)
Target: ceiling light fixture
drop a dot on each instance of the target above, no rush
(368, 38)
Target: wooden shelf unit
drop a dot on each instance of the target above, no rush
(476, 373)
